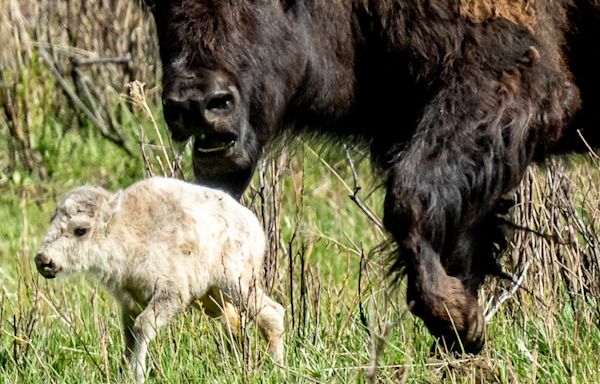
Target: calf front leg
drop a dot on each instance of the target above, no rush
(156, 315)
(129, 312)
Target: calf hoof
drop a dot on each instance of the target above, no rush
(452, 315)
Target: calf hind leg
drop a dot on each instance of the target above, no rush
(268, 314)
(216, 305)
(270, 321)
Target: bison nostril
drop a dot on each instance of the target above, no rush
(174, 108)
(220, 102)
(176, 111)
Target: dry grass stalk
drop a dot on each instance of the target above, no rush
(162, 155)
(562, 202)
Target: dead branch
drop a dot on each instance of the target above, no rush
(102, 60)
(496, 303)
(80, 105)
(356, 199)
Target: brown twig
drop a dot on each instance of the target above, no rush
(356, 199)
(102, 60)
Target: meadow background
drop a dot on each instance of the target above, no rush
(80, 103)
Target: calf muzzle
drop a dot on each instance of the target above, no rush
(45, 266)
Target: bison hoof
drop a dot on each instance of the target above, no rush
(467, 340)
(452, 315)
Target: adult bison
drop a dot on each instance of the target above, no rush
(454, 97)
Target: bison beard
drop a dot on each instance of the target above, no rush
(454, 98)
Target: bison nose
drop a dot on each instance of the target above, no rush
(177, 112)
(45, 266)
(209, 114)
(219, 103)
(204, 103)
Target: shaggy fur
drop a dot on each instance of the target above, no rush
(159, 246)
(454, 97)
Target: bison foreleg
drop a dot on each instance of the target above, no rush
(468, 150)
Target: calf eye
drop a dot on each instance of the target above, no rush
(80, 231)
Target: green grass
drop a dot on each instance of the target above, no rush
(67, 330)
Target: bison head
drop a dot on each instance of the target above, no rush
(77, 227)
(230, 69)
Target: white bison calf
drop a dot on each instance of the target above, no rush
(160, 246)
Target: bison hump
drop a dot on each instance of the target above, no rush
(521, 12)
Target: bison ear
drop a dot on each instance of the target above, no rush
(113, 206)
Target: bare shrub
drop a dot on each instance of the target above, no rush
(69, 60)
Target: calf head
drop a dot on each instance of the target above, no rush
(229, 70)
(78, 224)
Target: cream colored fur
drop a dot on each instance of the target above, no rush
(160, 246)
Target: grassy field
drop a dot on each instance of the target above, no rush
(67, 330)
(64, 121)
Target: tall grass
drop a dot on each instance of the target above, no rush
(67, 117)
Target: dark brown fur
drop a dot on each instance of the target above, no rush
(455, 98)
(518, 11)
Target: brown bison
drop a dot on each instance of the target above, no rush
(455, 98)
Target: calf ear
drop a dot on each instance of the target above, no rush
(287, 4)
(148, 4)
(113, 206)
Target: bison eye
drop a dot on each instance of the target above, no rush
(80, 231)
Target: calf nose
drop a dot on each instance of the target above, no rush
(39, 259)
(45, 266)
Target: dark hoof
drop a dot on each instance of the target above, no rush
(453, 317)
(459, 345)
(469, 339)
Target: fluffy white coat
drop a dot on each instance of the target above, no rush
(159, 246)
